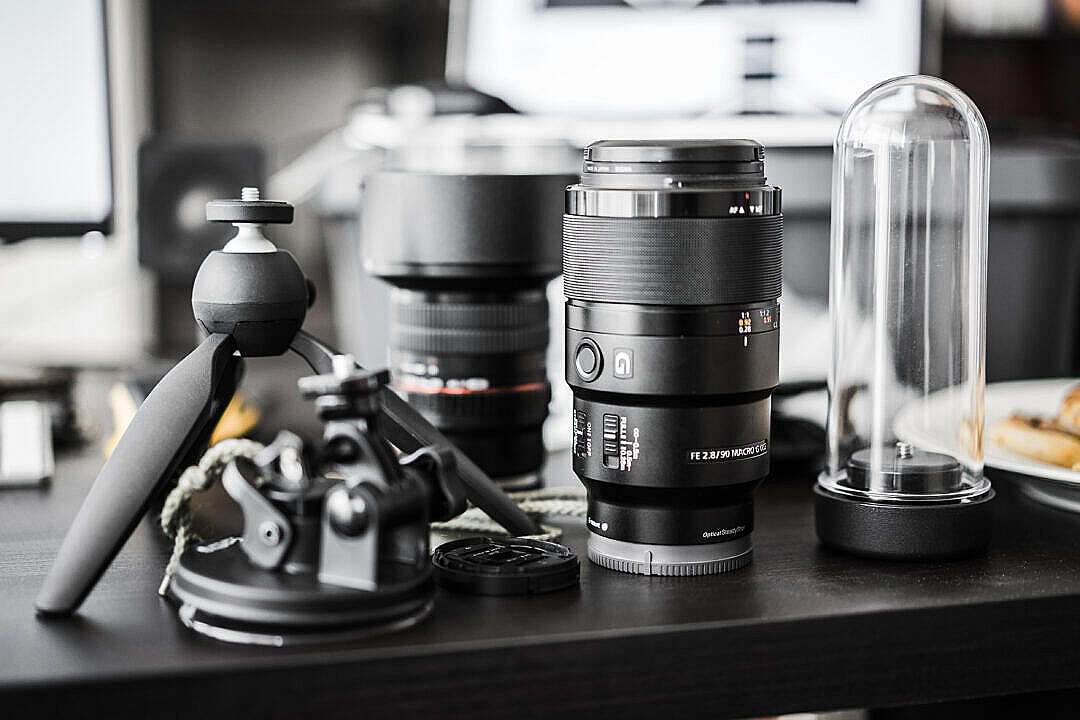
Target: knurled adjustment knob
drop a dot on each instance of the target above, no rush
(249, 208)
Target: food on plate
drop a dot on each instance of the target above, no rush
(1069, 418)
(1051, 440)
(1038, 438)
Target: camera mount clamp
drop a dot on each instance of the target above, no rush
(324, 557)
(251, 300)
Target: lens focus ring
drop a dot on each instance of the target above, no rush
(472, 342)
(450, 316)
(432, 325)
(672, 261)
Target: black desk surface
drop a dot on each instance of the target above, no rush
(802, 628)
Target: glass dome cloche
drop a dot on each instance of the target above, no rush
(903, 471)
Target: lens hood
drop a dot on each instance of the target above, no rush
(429, 229)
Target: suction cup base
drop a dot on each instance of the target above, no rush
(240, 633)
(903, 530)
(224, 596)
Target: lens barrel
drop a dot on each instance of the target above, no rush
(672, 260)
(470, 256)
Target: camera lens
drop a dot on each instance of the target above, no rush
(672, 272)
(470, 256)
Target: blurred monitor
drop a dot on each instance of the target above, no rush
(74, 294)
(666, 58)
(56, 175)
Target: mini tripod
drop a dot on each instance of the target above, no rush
(250, 299)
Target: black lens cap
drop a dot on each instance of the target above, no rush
(682, 151)
(629, 162)
(505, 566)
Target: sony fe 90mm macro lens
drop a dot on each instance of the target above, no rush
(672, 260)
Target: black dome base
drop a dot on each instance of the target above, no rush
(903, 530)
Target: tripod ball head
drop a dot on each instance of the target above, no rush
(258, 298)
(251, 290)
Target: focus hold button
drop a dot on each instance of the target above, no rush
(587, 360)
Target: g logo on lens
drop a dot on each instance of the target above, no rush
(623, 363)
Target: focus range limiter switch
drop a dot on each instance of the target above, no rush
(611, 441)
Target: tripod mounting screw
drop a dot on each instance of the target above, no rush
(249, 208)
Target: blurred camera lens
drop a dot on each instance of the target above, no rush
(672, 271)
(470, 257)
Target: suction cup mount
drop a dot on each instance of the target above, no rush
(250, 299)
(322, 556)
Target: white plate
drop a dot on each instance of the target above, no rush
(1030, 397)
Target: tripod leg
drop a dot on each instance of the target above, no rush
(409, 431)
(164, 431)
(223, 394)
(315, 352)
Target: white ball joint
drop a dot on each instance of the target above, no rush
(249, 237)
